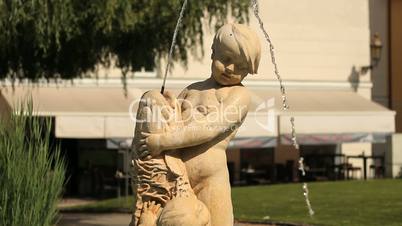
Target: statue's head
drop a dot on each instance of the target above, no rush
(236, 52)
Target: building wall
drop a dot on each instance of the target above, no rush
(394, 157)
(393, 161)
(315, 40)
(379, 23)
(396, 59)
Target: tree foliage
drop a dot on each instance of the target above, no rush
(66, 38)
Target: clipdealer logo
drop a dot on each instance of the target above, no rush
(264, 115)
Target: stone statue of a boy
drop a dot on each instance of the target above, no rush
(211, 112)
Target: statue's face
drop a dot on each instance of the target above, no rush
(228, 67)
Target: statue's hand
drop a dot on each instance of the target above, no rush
(150, 214)
(150, 145)
(170, 98)
(153, 208)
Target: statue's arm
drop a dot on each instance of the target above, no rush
(204, 127)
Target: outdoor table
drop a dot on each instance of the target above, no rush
(365, 157)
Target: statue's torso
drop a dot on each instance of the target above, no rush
(209, 159)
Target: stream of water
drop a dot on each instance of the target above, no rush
(176, 30)
(285, 105)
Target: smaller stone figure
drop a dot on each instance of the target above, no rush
(180, 211)
(160, 183)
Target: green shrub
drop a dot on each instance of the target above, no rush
(31, 171)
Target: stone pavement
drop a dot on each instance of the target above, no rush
(108, 219)
(94, 219)
(105, 219)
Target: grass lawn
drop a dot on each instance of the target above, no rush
(374, 202)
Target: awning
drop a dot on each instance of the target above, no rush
(80, 112)
(326, 116)
(253, 142)
(321, 116)
(333, 138)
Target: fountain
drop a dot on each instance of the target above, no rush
(180, 173)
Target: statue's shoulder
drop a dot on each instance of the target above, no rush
(196, 85)
(239, 93)
(185, 91)
(239, 90)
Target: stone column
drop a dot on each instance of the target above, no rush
(393, 157)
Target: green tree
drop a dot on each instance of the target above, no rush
(66, 38)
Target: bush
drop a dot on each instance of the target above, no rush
(31, 171)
